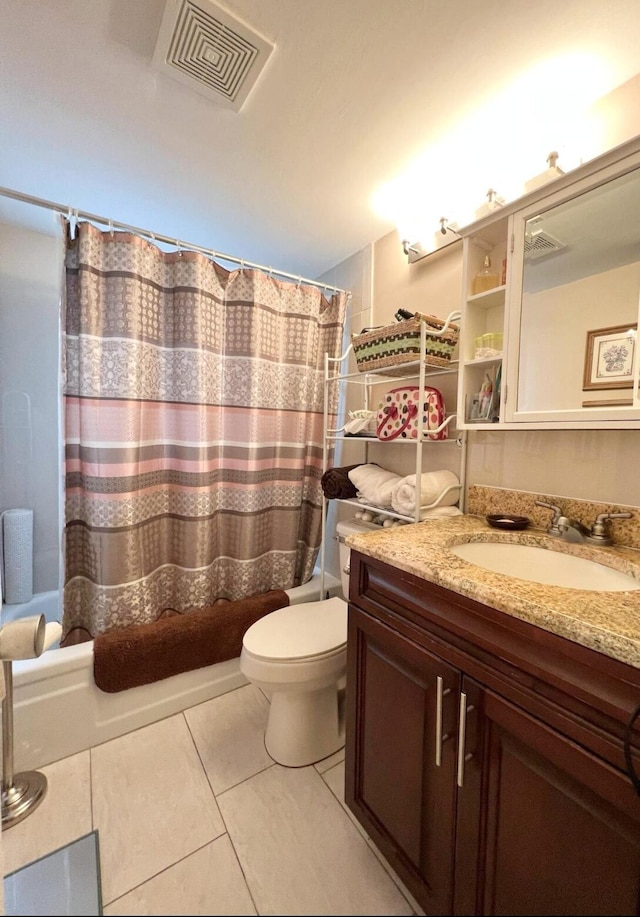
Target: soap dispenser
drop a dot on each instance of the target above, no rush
(486, 278)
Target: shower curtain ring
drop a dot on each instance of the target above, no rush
(111, 228)
(179, 247)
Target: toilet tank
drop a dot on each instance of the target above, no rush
(349, 527)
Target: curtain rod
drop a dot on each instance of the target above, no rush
(70, 212)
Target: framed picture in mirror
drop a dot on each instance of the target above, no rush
(610, 356)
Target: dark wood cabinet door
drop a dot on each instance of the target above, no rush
(560, 830)
(400, 755)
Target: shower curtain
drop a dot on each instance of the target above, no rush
(193, 403)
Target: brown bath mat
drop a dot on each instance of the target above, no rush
(146, 653)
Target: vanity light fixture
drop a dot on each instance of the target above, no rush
(408, 247)
(415, 250)
(493, 202)
(552, 171)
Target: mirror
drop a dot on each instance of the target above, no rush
(580, 295)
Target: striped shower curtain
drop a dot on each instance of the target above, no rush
(193, 403)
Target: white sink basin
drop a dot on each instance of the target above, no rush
(539, 565)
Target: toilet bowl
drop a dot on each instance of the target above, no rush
(297, 656)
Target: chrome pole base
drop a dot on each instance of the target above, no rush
(22, 797)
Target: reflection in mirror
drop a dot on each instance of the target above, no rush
(581, 283)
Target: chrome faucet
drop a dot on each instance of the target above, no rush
(557, 515)
(599, 533)
(571, 530)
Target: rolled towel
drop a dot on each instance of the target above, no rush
(374, 484)
(336, 484)
(433, 485)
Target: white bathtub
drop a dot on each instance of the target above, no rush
(58, 710)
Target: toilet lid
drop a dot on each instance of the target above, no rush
(299, 631)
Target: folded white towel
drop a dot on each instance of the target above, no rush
(438, 512)
(433, 490)
(374, 484)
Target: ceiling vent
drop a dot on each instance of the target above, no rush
(206, 48)
(539, 243)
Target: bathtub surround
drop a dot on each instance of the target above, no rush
(134, 656)
(194, 402)
(59, 710)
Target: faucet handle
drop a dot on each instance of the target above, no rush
(557, 514)
(599, 533)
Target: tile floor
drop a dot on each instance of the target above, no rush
(194, 817)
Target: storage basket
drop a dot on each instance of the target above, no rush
(394, 345)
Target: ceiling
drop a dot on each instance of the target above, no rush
(354, 91)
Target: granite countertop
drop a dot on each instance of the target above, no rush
(608, 622)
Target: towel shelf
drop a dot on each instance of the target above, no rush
(371, 383)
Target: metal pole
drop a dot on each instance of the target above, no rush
(22, 793)
(157, 237)
(7, 729)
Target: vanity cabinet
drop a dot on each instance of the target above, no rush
(485, 756)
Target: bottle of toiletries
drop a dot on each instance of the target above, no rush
(486, 278)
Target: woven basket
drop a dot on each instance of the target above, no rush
(397, 344)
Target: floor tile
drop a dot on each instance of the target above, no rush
(334, 778)
(327, 763)
(299, 851)
(152, 804)
(229, 734)
(64, 815)
(208, 881)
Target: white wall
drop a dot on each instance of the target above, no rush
(30, 441)
(598, 465)
(356, 275)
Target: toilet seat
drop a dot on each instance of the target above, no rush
(311, 630)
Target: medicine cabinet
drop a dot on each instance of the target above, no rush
(569, 308)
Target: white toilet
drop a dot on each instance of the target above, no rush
(298, 656)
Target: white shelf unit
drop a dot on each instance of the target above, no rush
(482, 313)
(420, 372)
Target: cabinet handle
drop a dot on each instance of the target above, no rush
(441, 692)
(462, 732)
